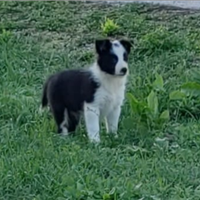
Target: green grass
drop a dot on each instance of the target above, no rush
(40, 38)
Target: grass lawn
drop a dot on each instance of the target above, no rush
(150, 160)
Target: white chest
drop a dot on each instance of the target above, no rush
(106, 100)
(111, 92)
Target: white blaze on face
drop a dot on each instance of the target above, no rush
(119, 51)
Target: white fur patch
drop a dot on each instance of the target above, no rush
(64, 124)
(119, 51)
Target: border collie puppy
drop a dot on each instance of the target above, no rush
(97, 92)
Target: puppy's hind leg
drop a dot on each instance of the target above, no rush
(61, 118)
(73, 120)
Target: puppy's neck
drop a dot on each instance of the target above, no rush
(107, 80)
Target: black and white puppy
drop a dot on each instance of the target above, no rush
(97, 92)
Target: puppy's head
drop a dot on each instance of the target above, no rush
(113, 56)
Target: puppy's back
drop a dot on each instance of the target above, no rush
(71, 88)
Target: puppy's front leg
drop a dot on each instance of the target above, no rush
(112, 120)
(91, 115)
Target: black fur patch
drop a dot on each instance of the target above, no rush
(69, 89)
(106, 59)
(127, 45)
(107, 62)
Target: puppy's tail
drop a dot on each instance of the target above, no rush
(44, 95)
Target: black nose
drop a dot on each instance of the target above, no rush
(123, 70)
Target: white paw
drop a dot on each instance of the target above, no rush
(64, 131)
(40, 110)
(95, 139)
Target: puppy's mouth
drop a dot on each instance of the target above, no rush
(123, 72)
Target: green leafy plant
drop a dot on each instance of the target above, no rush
(5, 36)
(112, 195)
(109, 27)
(146, 112)
(188, 89)
(187, 97)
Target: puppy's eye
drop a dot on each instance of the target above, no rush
(125, 57)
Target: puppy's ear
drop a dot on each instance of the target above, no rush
(102, 45)
(127, 45)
